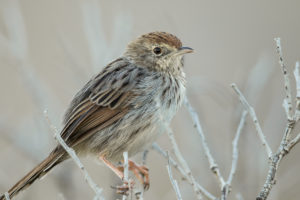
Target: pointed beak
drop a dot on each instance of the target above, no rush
(184, 50)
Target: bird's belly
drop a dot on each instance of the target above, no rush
(132, 134)
(138, 129)
(151, 129)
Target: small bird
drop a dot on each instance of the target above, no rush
(123, 108)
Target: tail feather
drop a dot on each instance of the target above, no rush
(38, 172)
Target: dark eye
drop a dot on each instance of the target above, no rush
(157, 50)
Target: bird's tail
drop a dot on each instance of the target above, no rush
(39, 171)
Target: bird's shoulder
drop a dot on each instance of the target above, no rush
(113, 87)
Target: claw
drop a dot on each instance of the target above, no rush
(141, 172)
(124, 189)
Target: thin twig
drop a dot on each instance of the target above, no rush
(235, 154)
(184, 164)
(270, 180)
(292, 143)
(213, 165)
(254, 119)
(75, 158)
(125, 165)
(235, 151)
(173, 181)
(6, 194)
(297, 78)
(285, 145)
(287, 102)
(158, 149)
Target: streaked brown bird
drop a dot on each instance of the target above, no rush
(123, 108)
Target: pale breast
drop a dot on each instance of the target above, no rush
(148, 118)
(168, 98)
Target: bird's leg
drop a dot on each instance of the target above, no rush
(141, 172)
(115, 169)
(119, 172)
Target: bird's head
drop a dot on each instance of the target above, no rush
(158, 51)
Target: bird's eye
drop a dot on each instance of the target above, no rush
(157, 50)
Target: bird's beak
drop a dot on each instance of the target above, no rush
(184, 50)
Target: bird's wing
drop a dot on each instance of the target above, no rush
(104, 100)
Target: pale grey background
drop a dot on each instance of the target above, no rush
(49, 49)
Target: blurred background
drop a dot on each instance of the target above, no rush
(49, 49)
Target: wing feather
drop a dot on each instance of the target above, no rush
(103, 101)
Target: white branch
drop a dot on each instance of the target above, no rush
(183, 163)
(297, 78)
(213, 165)
(75, 158)
(254, 119)
(287, 102)
(157, 148)
(293, 143)
(125, 155)
(6, 196)
(235, 151)
(173, 181)
(285, 146)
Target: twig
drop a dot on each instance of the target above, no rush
(213, 165)
(293, 143)
(125, 155)
(285, 145)
(254, 119)
(273, 166)
(173, 181)
(6, 196)
(75, 158)
(184, 164)
(235, 154)
(205, 193)
(158, 149)
(287, 102)
(297, 78)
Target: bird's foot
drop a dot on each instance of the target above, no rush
(141, 172)
(124, 189)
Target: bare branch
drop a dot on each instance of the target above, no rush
(75, 158)
(6, 196)
(287, 102)
(173, 181)
(285, 146)
(158, 149)
(283, 150)
(125, 165)
(184, 164)
(254, 119)
(213, 165)
(235, 153)
(297, 78)
(293, 143)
